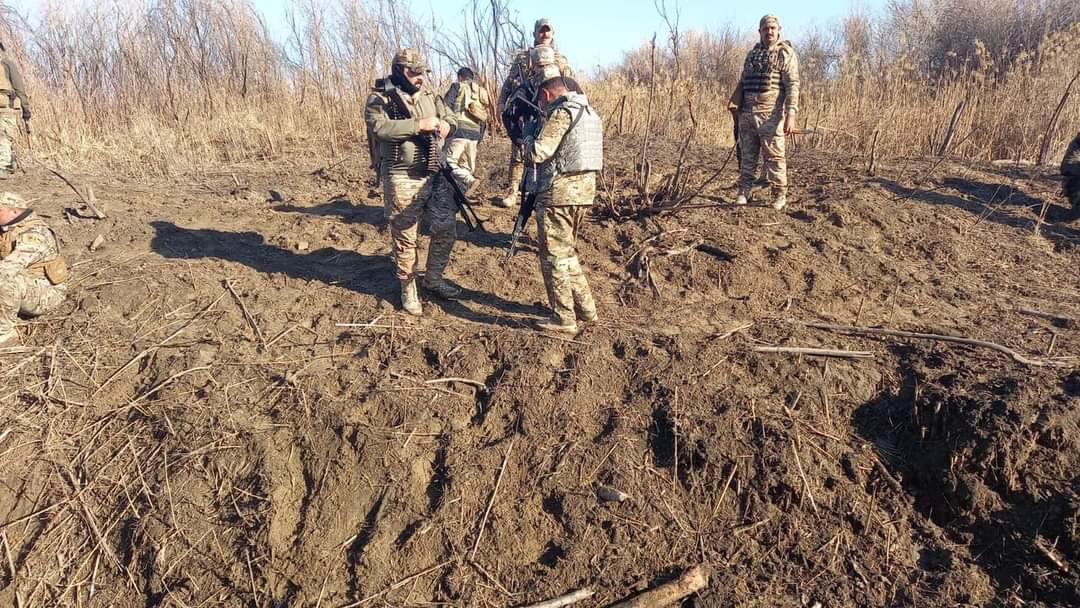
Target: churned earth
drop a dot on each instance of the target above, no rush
(229, 410)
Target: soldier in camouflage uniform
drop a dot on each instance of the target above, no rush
(32, 271)
(765, 103)
(568, 152)
(468, 99)
(411, 187)
(1070, 170)
(13, 104)
(521, 70)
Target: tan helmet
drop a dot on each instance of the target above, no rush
(10, 199)
(410, 58)
(544, 67)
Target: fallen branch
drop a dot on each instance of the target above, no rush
(817, 352)
(692, 581)
(470, 381)
(877, 331)
(247, 315)
(1058, 319)
(491, 501)
(399, 584)
(564, 600)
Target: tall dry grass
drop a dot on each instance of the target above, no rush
(170, 85)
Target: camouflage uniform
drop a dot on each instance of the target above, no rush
(1070, 170)
(32, 273)
(521, 69)
(768, 88)
(411, 188)
(563, 198)
(13, 103)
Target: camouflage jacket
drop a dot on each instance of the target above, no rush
(398, 143)
(567, 189)
(30, 246)
(770, 78)
(521, 70)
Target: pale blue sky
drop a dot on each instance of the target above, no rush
(597, 32)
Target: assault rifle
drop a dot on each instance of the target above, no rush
(528, 199)
(400, 110)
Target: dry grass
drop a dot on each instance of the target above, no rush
(182, 84)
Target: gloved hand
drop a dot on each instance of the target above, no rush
(26, 114)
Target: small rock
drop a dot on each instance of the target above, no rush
(302, 245)
(276, 196)
(611, 494)
(99, 240)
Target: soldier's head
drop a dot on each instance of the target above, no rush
(11, 206)
(769, 29)
(543, 63)
(543, 33)
(410, 67)
(465, 75)
(552, 89)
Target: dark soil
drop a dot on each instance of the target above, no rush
(165, 441)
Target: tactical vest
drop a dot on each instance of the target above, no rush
(419, 152)
(54, 269)
(474, 102)
(8, 98)
(582, 148)
(763, 67)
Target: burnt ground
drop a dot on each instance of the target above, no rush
(194, 427)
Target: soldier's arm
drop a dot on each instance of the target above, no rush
(735, 101)
(377, 119)
(506, 90)
(547, 142)
(445, 113)
(564, 67)
(1070, 163)
(35, 245)
(789, 77)
(15, 76)
(452, 94)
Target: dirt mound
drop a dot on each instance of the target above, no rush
(229, 410)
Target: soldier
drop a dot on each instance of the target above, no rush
(568, 151)
(12, 99)
(32, 271)
(517, 83)
(409, 149)
(764, 105)
(1070, 170)
(470, 103)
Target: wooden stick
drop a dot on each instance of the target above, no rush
(692, 581)
(399, 584)
(1016, 356)
(1050, 316)
(247, 315)
(819, 352)
(475, 383)
(564, 600)
(802, 474)
(491, 501)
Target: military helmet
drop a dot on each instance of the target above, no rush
(410, 58)
(10, 199)
(544, 67)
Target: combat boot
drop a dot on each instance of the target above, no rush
(779, 202)
(744, 197)
(587, 314)
(441, 288)
(555, 324)
(410, 301)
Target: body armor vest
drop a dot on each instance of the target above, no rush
(582, 148)
(54, 269)
(761, 72)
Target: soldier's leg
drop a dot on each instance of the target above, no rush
(12, 287)
(442, 219)
(8, 130)
(749, 144)
(584, 305)
(41, 296)
(773, 157)
(555, 235)
(516, 172)
(468, 158)
(407, 206)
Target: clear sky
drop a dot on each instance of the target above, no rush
(597, 32)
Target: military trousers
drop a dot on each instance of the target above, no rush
(515, 171)
(9, 130)
(25, 293)
(463, 151)
(409, 199)
(564, 279)
(762, 133)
